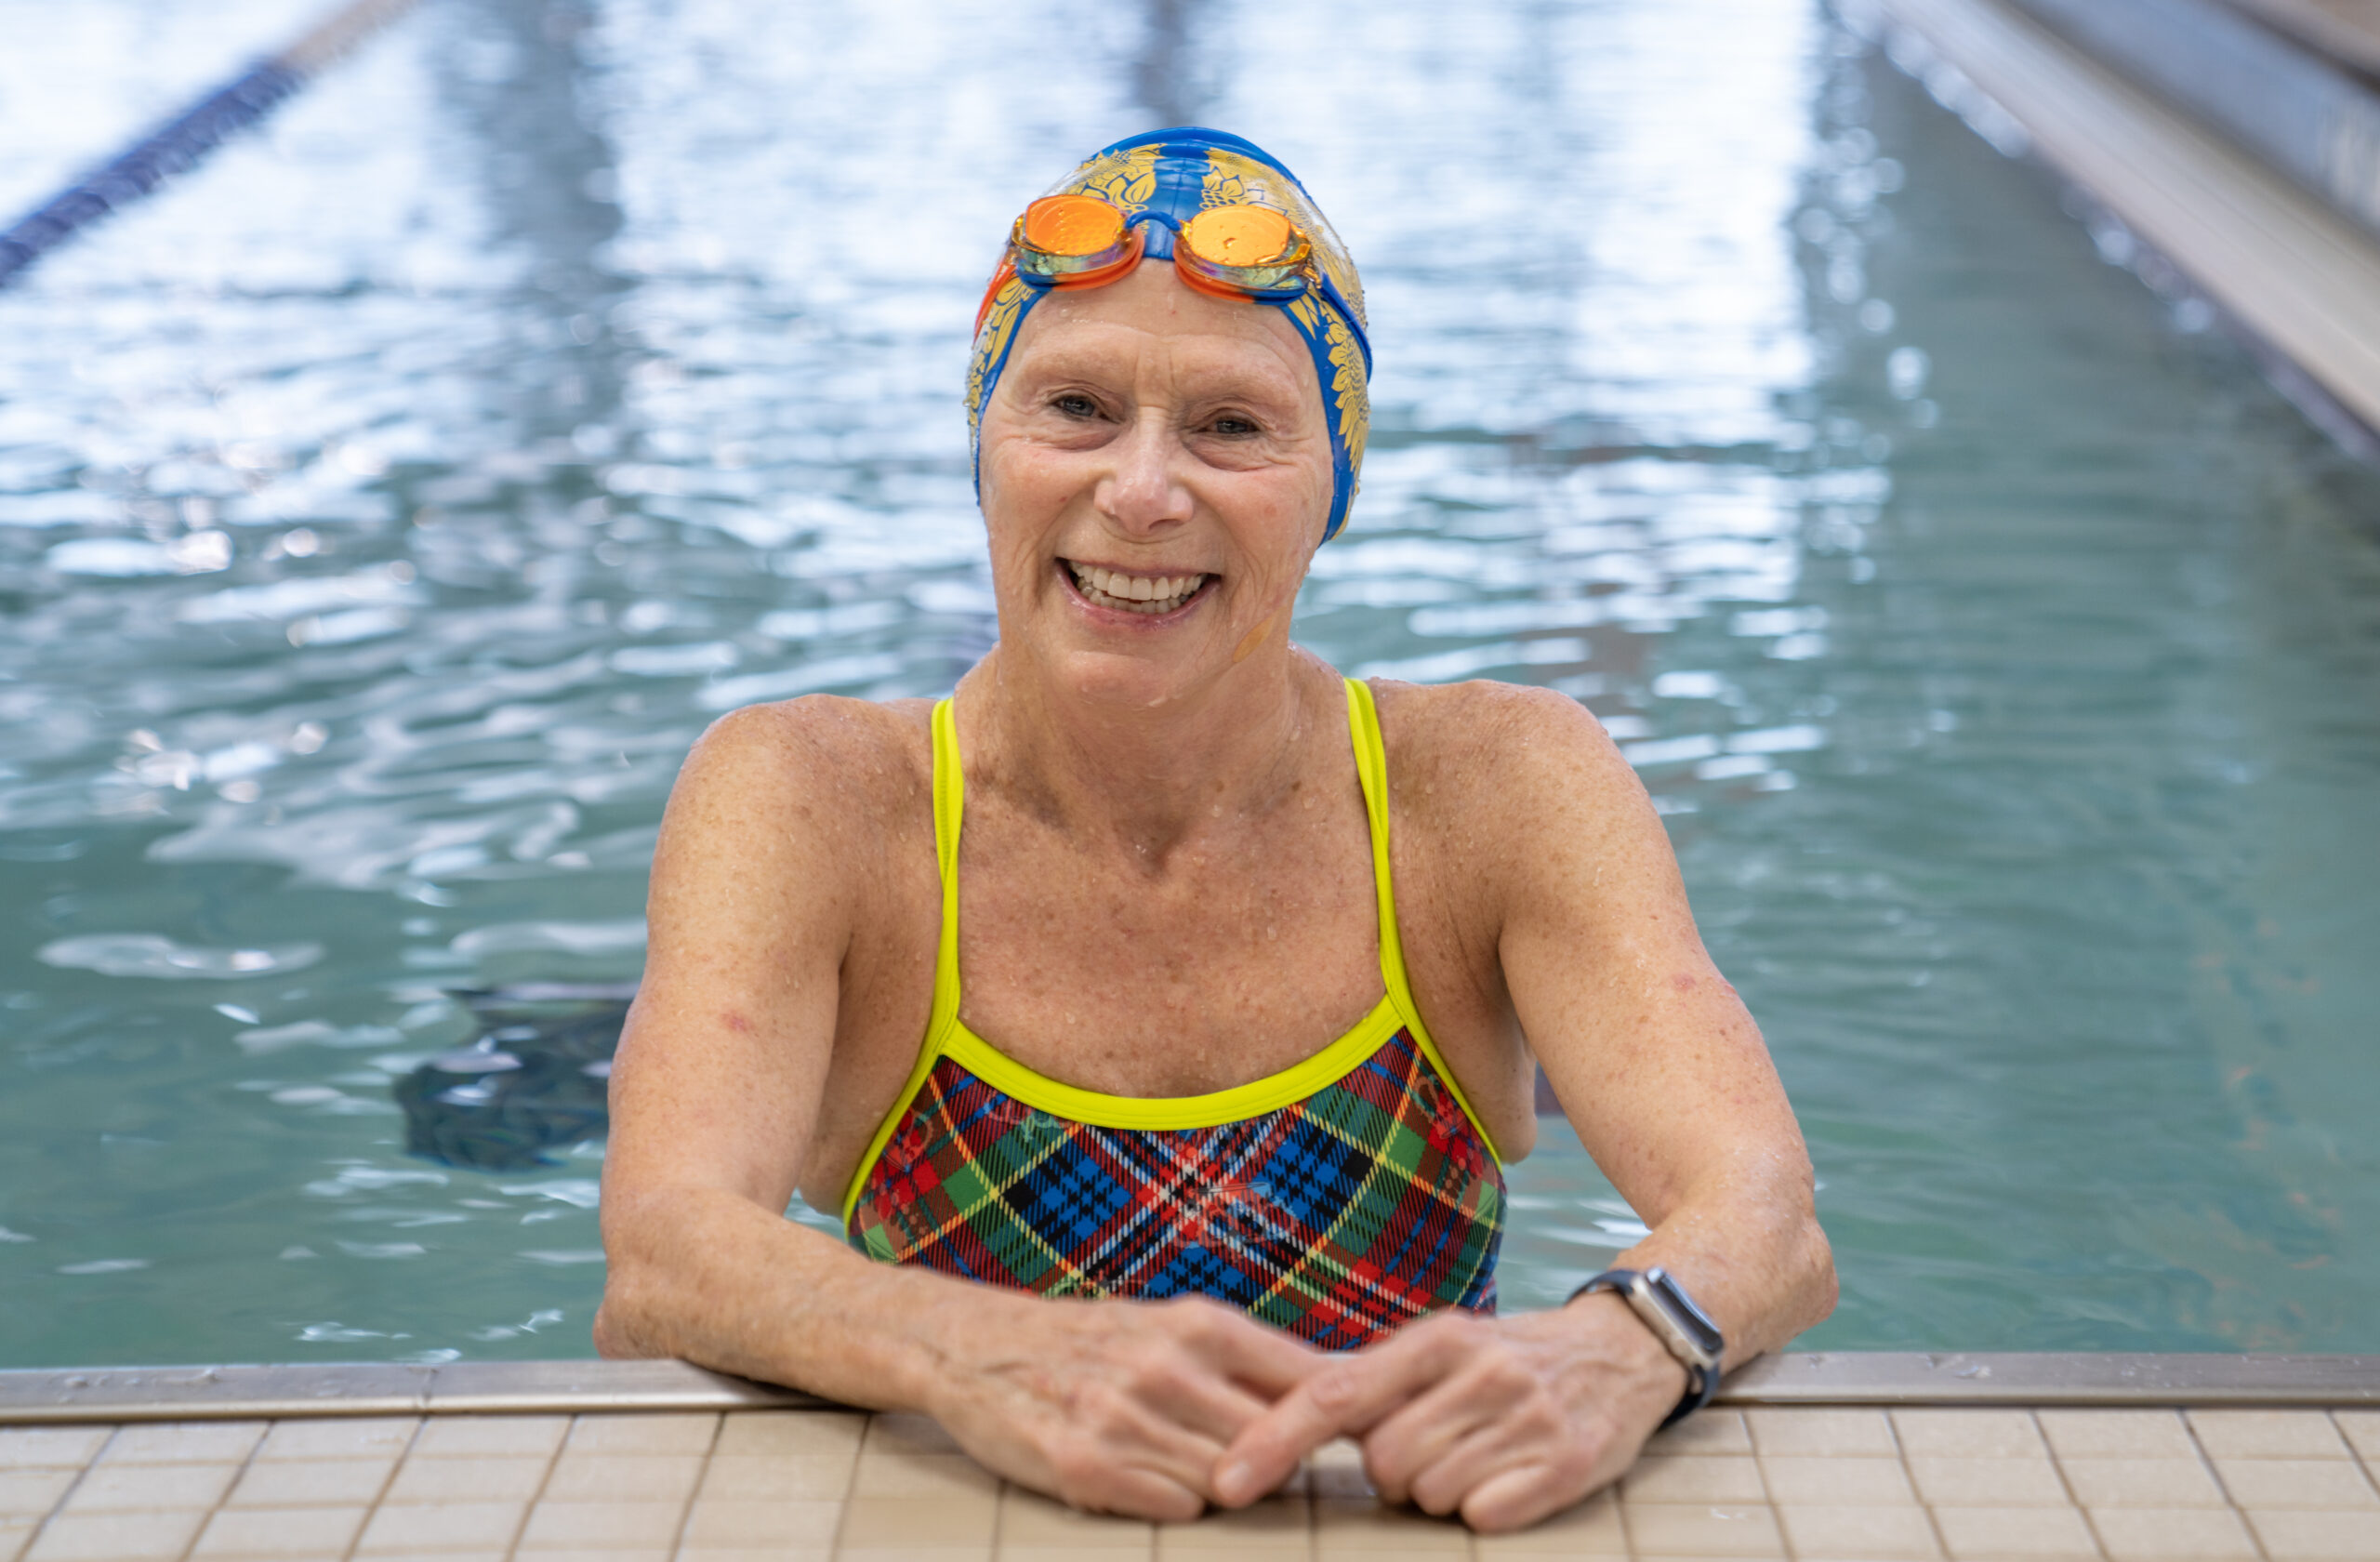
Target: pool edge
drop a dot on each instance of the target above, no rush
(128, 1394)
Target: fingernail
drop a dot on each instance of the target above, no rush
(1230, 1478)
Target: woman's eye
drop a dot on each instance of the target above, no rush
(1074, 404)
(1235, 428)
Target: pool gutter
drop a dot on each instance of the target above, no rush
(134, 1393)
(2298, 277)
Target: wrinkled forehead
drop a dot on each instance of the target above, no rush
(1152, 323)
(1179, 179)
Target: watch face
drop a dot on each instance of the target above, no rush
(1689, 1318)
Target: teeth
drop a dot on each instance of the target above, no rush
(1135, 593)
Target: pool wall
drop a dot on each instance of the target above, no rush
(1850, 1456)
(2297, 277)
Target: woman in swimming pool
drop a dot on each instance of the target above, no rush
(1163, 1104)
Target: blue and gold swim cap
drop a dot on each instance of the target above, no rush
(1160, 182)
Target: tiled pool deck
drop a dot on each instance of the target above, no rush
(1745, 1480)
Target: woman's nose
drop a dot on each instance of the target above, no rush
(1143, 494)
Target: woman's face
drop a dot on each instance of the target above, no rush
(1156, 477)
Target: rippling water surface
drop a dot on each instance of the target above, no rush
(385, 507)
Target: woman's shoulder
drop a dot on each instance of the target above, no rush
(840, 761)
(1482, 759)
(1489, 734)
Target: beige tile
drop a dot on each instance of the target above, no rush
(1970, 1434)
(888, 1473)
(464, 1556)
(339, 1437)
(1899, 1534)
(610, 1478)
(798, 1434)
(306, 1532)
(822, 1551)
(2013, 1534)
(115, 1487)
(716, 1526)
(908, 1433)
(2318, 1535)
(489, 1437)
(603, 1526)
(1702, 1530)
(15, 1535)
(115, 1537)
(1977, 1483)
(2172, 1534)
(2142, 1483)
(2267, 1435)
(50, 1448)
(1363, 1526)
(1271, 1525)
(1820, 1433)
(1023, 1552)
(1590, 1528)
(1028, 1518)
(2297, 1483)
(178, 1442)
(965, 1520)
(31, 1493)
(2117, 1433)
(2362, 1429)
(310, 1483)
(647, 1434)
(1711, 1431)
(789, 1477)
(442, 1526)
(465, 1480)
(1854, 1481)
(1697, 1478)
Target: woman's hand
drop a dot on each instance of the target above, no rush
(1116, 1407)
(1504, 1421)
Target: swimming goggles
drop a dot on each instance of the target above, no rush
(1240, 251)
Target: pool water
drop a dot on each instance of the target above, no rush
(385, 507)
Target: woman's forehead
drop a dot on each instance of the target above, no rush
(1117, 327)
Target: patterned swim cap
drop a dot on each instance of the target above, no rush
(1175, 174)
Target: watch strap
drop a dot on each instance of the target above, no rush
(1701, 1379)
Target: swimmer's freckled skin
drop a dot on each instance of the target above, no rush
(1682, 982)
(735, 1022)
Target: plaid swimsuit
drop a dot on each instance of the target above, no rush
(1337, 1199)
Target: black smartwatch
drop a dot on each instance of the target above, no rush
(1656, 1297)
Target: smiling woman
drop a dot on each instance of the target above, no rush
(1161, 964)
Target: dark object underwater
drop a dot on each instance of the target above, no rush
(534, 1081)
(537, 1078)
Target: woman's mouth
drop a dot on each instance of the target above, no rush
(1148, 594)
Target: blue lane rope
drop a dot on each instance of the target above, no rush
(182, 141)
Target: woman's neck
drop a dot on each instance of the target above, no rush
(1149, 778)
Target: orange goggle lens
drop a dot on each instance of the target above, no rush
(1241, 237)
(1074, 226)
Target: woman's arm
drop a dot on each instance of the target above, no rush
(774, 860)
(1669, 1086)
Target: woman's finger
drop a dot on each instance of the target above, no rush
(1490, 1449)
(1141, 1493)
(1458, 1412)
(1213, 1406)
(1346, 1396)
(1261, 1357)
(1518, 1498)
